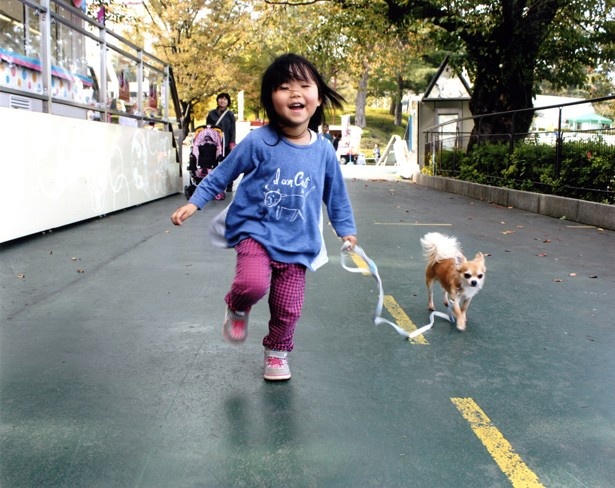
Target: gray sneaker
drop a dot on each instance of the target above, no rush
(235, 327)
(276, 365)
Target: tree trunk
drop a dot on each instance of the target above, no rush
(506, 82)
(186, 121)
(361, 100)
(502, 54)
(399, 95)
(502, 90)
(501, 85)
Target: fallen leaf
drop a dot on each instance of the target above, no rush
(508, 232)
(557, 280)
(542, 254)
(547, 241)
(81, 270)
(593, 276)
(21, 276)
(572, 274)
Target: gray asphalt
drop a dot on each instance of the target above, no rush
(114, 373)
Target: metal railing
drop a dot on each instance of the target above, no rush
(61, 61)
(568, 156)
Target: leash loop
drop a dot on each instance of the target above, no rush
(373, 270)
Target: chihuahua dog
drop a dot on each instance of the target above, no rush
(460, 279)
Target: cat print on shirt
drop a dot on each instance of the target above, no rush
(288, 195)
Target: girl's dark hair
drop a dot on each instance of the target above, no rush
(293, 67)
(224, 95)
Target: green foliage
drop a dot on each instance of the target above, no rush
(509, 48)
(450, 161)
(586, 169)
(587, 165)
(566, 37)
(485, 164)
(529, 163)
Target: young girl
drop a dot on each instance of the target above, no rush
(275, 221)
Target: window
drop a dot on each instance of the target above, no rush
(19, 29)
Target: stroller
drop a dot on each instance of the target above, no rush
(206, 153)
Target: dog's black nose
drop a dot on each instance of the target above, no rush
(474, 282)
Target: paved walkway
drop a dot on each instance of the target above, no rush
(113, 371)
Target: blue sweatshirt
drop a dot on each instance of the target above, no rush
(279, 200)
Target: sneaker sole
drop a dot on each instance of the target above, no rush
(284, 377)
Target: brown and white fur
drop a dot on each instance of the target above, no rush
(460, 279)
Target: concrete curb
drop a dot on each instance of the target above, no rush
(589, 213)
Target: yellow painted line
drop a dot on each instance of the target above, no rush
(500, 449)
(413, 224)
(391, 305)
(361, 264)
(402, 319)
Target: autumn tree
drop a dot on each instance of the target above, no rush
(202, 41)
(111, 11)
(367, 38)
(314, 32)
(360, 39)
(403, 65)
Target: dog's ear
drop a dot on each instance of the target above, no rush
(459, 260)
(479, 257)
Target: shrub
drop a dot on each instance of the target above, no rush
(449, 162)
(485, 164)
(527, 165)
(586, 170)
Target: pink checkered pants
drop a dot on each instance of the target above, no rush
(255, 274)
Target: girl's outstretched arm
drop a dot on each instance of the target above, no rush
(183, 213)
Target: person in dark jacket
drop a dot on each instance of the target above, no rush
(224, 118)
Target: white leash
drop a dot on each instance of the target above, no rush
(373, 269)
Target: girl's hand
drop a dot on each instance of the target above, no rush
(183, 212)
(351, 240)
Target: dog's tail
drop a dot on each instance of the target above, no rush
(437, 247)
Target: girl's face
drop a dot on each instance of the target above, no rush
(295, 102)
